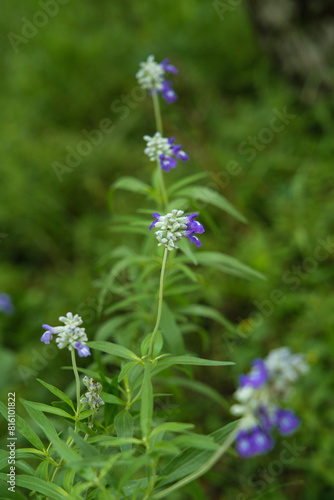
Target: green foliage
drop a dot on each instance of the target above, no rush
(60, 234)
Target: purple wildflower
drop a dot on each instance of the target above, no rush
(287, 421)
(193, 226)
(257, 376)
(168, 93)
(174, 226)
(151, 76)
(83, 350)
(162, 149)
(254, 441)
(48, 335)
(6, 305)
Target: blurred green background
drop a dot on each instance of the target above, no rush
(74, 72)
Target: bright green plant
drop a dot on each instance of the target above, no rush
(113, 442)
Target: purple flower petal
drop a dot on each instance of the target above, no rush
(245, 445)
(182, 155)
(263, 442)
(169, 67)
(194, 239)
(167, 162)
(287, 421)
(257, 376)
(46, 337)
(6, 305)
(83, 350)
(156, 216)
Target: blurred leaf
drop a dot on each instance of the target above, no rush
(124, 428)
(23, 428)
(171, 331)
(114, 349)
(57, 392)
(171, 427)
(210, 197)
(228, 264)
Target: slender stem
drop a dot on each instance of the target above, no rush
(162, 186)
(157, 112)
(161, 292)
(77, 380)
(158, 122)
(202, 470)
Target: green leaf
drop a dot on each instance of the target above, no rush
(185, 181)
(57, 392)
(196, 441)
(171, 331)
(171, 427)
(146, 411)
(187, 249)
(87, 449)
(158, 344)
(50, 409)
(110, 398)
(108, 329)
(131, 184)
(69, 479)
(196, 386)
(23, 428)
(208, 312)
(191, 459)
(124, 428)
(209, 196)
(17, 495)
(114, 349)
(125, 370)
(3, 458)
(42, 470)
(36, 484)
(192, 360)
(47, 427)
(228, 264)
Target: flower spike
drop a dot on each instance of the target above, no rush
(151, 76)
(69, 335)
(162, 149)
(268, 383)
(174, 226)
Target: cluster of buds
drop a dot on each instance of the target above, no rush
(260, 395)
(174, 226)
(151, 76)
(162, 149)
(70, 335)
(92, 397)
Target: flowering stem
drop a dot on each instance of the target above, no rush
(157, 112)
(202, 470)
(77, 380)
(158, 122)
(161, 292)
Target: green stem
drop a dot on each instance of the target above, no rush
(157, 112)
(77, 381)
(158, 122)
(202, 470)
(161, 292)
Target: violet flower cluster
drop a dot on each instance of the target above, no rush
(151, 76)
(71, 335)
(162, 149)
(260, 396)
(174, 226)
